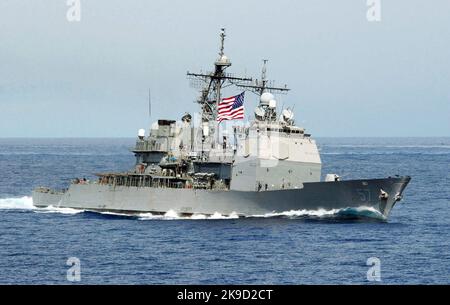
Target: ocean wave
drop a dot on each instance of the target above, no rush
(361, 212)
(354, 212)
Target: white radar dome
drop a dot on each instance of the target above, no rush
(272, 104)
(141, 133)
(266, 97)
(288, 114)
(224, 60)
(259, 113)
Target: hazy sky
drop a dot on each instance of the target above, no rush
(349, 77)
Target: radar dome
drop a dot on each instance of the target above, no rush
(266, 97)
(259, 113)
(141, 133)
(224, 60)
(288, 114)
(272, 103)
(187, 117)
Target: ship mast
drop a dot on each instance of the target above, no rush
(211, 85)
(265, 88)
(264, 85)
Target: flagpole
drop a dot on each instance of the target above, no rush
(217, 107)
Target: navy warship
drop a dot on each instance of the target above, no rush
(196, 166)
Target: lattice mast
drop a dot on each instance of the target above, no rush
(211, 85)
(264, 85)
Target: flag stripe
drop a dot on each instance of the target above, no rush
(231, 108)
(233, 111)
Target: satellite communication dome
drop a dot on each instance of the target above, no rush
(141, 133)
(224, 60)
(187, 117)
(259, 113)
(272, 103)
(265, 98)
(288, 114)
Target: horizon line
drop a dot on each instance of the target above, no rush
(129, 137)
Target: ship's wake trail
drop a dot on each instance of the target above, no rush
(22, 203)
(58, 210)
(26, 203)
(172, 215)
(359, 213)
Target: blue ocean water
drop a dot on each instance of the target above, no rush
(413, 246)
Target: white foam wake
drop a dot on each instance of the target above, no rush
(172, 215)
(59, 210)
(355, 212)
(26, 203)
(22, 203)
(300, 213)
(345, 213)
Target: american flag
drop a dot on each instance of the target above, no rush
(231, 108)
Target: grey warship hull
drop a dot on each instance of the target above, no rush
(378, 194)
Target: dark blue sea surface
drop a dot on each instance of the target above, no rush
(413, 246)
